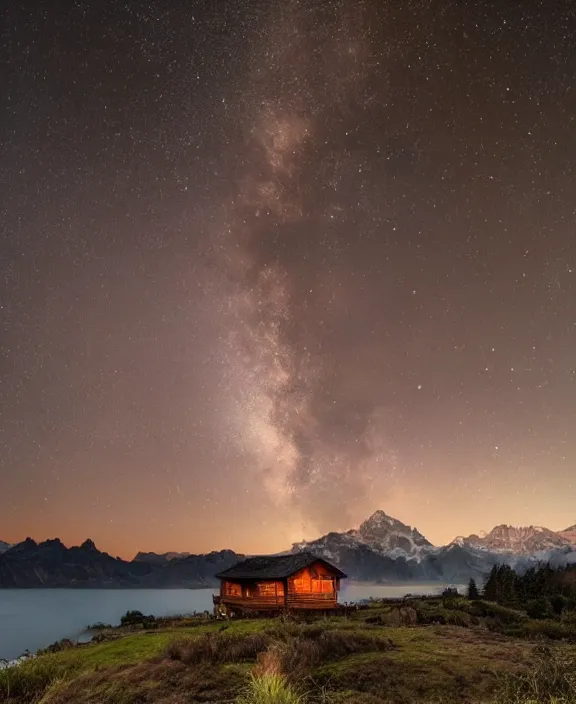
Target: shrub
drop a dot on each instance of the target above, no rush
(450, 592)
(450, 597)
(64, 644)
(217, 648)
(338, 644)
(499, 614)
(554, 630)
(399, 616)
(539, 608)
(443, 616)
(296, 655)
(293, 659)
(569, 618)
(559, 603)
(136, 618)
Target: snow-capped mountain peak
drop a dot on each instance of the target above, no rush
(389, 535)
(380, 533)
(525, 540)
(459, 540)
(384, 548)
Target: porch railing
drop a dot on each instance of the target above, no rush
(271, 600)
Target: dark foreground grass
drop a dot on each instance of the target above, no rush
(218, 648)
(333, 661)
(33, 678)
(550, 677)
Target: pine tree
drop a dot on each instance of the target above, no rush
(491, 587)
(473, 593)
(507, 585)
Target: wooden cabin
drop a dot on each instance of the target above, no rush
(298, 581)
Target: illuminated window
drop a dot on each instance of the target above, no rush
(326, 586)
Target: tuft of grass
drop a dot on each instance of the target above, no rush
(29, 680)
(270, 688)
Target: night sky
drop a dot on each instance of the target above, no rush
(267, 266)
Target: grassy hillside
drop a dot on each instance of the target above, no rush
(419, 653)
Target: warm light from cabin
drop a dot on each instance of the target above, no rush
(233, 589)
(312, 587)
(271, 588)
(311, 580)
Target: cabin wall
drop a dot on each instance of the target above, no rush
(316, 579)
(270, 588)
(313, 587)
(252, 589)
(251, 595)
(228, 588)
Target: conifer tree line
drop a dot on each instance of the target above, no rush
(542, 590)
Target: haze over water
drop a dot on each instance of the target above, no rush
(34, 618)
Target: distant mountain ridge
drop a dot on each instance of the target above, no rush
(4, 546)
(569, 534)
(52, 564)
(382, 549)
(527, 540)
(159, 558)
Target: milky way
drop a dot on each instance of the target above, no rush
(270, 266)
(317, 455)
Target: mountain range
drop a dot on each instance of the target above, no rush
(382, 549)
(569, 534)
(519, 541)
(52, 564)
(160, 559)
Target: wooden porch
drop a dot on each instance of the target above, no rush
(278, 602)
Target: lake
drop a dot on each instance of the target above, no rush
(34, 618)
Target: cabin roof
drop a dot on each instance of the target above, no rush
(276, 567)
